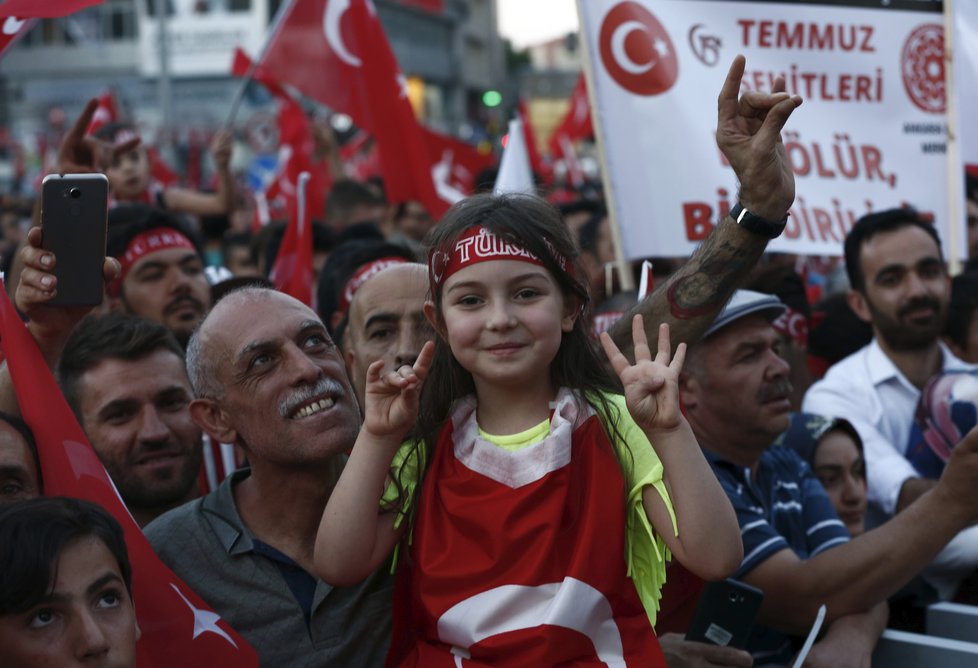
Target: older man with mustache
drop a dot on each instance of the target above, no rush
(736, 394)
(899, 285)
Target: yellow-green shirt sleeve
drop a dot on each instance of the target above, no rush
(646, 553)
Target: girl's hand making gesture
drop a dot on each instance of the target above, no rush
(391, 399)
(651, 385)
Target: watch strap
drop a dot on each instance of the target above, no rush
(756, 224)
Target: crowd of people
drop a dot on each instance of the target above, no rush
(473, 448)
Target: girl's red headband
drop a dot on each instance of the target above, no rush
(476, 245)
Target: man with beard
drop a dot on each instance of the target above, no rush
(900, 286)
(736, 394)
(124, 378)
(162, 277)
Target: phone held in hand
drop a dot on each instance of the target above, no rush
(725, 613)
(74, 208)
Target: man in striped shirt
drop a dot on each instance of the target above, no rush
(735, 392)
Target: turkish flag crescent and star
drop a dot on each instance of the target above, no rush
(335, 51)
(178, 628)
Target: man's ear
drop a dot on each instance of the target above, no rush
(857, 302)
(431, 314)
(210, 417)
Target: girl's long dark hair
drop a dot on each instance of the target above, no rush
(535, 225)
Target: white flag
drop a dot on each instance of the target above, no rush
(515, 175)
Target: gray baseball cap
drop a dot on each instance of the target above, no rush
(745, 302)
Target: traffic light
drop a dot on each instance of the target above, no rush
(492, 98)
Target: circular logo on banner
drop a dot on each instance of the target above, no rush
(636, 50)
(922, 67)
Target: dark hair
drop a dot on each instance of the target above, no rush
(536, 226)
(127, 221)
(25, 432)
(116, 335)
(971, 186)
(587, 235)
(964, 302)
(347, 194)
(878, 223)
(33, 534)
(108, 131)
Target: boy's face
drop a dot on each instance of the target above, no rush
(129, 174)
(86, 619)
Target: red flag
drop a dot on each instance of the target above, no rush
(335, 51)
(530, 139)
(576, 125)
(161, 174)
(12, 29)
(178, 628)
(577, 122)
(296, 147)
(44, 9)
(456, 165)
(106, 112)
(292, 272)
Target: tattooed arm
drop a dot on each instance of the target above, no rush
(749, 134)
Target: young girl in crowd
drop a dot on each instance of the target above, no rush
(540, 517)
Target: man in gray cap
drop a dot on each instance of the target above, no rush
(735, 392)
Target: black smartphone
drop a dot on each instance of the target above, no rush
(725, 613)
(73, 221)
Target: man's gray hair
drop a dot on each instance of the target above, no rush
(201, 363)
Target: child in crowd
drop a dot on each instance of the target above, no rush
(131, 180)
(540, 517)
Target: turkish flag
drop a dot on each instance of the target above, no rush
(12, 29)
(106, 112)
(336, 52)
(577, 122)
(178, 628)
(296, 147)
(44, 9)
(456, 165)
(292, 272)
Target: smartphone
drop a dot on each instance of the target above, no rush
(725, 613)
(73, 221)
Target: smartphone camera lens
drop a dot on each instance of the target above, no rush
(75, 193)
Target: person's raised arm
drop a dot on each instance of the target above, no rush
(857, 575)
(354, 535)
(49, 325)
(749, 134)
(217, 203)
(708, 541)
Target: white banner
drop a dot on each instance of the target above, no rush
(870, 135)
(202, 35)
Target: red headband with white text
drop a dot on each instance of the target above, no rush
(150, 241)
(477, 244)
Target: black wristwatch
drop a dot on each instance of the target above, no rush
(756, 224)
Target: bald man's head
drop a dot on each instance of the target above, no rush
(387, 321)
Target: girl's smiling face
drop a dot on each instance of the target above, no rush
(504, 321)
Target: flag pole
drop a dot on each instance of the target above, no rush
(302, 186)
(955, 171)
(625, 278)
(283, 9)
